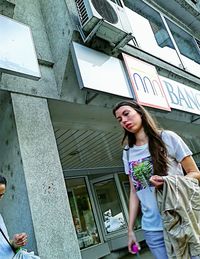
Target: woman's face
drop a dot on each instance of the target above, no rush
(2, 190)
(129, 119)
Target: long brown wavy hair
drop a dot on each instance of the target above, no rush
(157, 147)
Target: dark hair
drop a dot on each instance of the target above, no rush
(3, 180)
(157, 147)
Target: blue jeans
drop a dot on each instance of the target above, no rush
(155, 242)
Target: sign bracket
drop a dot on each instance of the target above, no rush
(194, 118)
(89, 97)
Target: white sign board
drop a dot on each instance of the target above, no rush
(17, 52)
(146, 83)
(98, 71)
(180, 96)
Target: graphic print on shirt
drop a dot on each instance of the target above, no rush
(140, 172)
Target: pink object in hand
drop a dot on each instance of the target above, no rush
(134, 248)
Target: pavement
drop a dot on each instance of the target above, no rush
(143, 254)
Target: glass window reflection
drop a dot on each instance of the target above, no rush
(188, 47)
(82, 213)
(110, 206)
(150, 31)
(124, 181)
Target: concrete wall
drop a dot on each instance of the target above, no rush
(29, 13)
(59, 24)
(53, 24)
(29, 154)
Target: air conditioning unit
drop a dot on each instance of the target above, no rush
(105, 19)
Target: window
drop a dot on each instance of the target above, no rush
(110, 206)
(82, 213)
(150, 32)
(124, 181)
(188, 48)
(162, 38)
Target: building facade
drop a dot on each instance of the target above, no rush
(60, 145)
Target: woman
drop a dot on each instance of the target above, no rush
(6, 252)
(149, 154)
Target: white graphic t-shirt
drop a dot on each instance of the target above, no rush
(138, 164)
(5, 249)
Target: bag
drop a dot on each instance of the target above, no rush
(23, 254)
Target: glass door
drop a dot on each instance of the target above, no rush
(124, 182)
(82, 212)
(109, 205)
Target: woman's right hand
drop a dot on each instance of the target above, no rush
(132, 240)
(19, 240)
(157, 181)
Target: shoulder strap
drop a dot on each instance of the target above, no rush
(7, 240)
(127, 154)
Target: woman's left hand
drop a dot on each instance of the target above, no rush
(157, 181)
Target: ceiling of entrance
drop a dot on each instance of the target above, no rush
(80, 149)
(89, 138)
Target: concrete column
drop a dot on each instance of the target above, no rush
(15, 204)
(50, 210)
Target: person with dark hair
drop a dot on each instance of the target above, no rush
(19, 240)
(150, 155)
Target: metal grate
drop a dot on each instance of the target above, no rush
(198, 43)
(106, 10)
(82, 11)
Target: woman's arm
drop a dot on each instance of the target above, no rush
(133, 211)
(190, 167)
